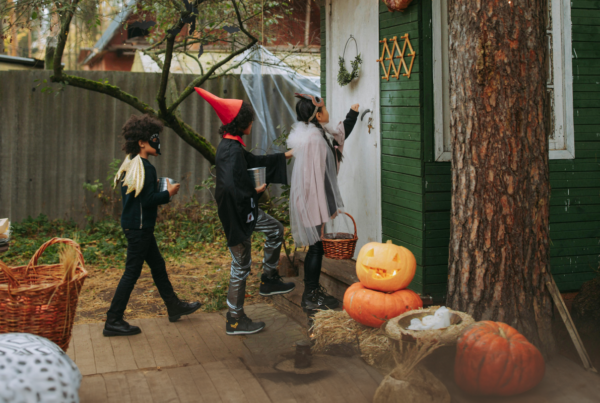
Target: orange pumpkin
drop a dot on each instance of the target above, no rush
(385, 266)
(492, 358)
(373, 308)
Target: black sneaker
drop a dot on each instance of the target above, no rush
(274, 285)
(177, 308)
(242, 325)
(318, 299)
(119, 327)
(328, 299)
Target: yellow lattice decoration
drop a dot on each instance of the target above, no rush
(391, 56)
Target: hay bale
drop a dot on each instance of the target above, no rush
(448, 336)
(420, 386)
(410, 382)
(332, 329)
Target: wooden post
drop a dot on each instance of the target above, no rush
(566, 317)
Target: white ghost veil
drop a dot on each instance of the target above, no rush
(314, 194)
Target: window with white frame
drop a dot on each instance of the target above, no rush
(560, 80)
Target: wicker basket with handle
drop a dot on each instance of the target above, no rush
(342, 246)
(41, 299)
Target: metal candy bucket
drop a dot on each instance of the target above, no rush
(162, 184)
(258, 176)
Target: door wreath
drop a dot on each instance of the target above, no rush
(344, 77)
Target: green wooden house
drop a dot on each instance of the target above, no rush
(411, 124)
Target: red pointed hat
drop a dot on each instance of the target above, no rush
(227, 109)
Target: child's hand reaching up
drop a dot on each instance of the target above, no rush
(172, 189)
(262, 188)
(354, 107)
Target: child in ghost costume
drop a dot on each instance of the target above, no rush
(314, 195)
(237, 202)
(141, 198)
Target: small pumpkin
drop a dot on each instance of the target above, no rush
(373, 308)
(493, 358)
(385, 266)
(397, 5)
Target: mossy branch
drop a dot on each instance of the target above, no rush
(182, 129)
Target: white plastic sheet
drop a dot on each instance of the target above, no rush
(270, 84)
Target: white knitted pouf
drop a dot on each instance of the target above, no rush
(33, 369)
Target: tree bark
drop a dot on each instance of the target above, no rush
(499, 244)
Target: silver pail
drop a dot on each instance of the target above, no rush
(162, 184)
(258, 176)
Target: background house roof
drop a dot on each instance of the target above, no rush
(23, 61)
(110, 32)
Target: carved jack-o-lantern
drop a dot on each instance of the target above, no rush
(385, 266)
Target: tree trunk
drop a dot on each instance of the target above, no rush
(499, 248)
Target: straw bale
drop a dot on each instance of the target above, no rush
(420, 386)
(409, 381)
(336, 328)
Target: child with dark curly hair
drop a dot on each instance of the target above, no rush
(237, 200)
(141, 198)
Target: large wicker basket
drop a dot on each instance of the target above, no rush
(38, 299)
(342, 246)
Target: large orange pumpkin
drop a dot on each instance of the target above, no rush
(385, 266)
(492, 358)
(373, 308)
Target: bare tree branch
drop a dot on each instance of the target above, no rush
(200, 80)
(166, 114)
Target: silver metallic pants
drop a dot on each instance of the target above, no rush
(241, 256)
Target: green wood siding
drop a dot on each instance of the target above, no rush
(575, 198)
(402, 124)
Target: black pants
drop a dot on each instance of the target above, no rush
(312, 266)
(141, 246)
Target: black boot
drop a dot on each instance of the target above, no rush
(318, 299)
(242, 325)
(274, 285)
(177, 308)
(118, 327)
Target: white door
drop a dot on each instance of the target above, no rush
(360, 173)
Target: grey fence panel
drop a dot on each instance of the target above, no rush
(52, 143)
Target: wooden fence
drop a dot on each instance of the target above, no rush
(53, 143)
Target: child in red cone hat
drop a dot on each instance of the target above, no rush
(237, 201)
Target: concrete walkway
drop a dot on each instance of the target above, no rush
(193, 360)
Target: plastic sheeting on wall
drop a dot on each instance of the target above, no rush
(270, 95)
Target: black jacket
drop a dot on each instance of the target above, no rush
(235, 193)
(140, 212)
